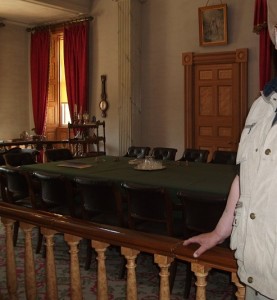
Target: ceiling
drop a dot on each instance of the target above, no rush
(38, 12)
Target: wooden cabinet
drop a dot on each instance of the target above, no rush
(88, 139)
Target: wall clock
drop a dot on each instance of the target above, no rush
(103, 104)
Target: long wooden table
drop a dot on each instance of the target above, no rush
(177, 176)
(36, 144)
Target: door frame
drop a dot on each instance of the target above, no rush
(189, 61)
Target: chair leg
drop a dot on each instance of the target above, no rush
(172, 270)
(188, 281)
(122, 268)
(89, 255)
(39, 242)
(234, 290)
(15, 232)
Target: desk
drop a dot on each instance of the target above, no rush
(199, 177)
(39, 145)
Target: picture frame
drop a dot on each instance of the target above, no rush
(213, 25)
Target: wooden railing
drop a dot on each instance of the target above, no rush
(164, 249)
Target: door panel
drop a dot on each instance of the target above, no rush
(213, 107)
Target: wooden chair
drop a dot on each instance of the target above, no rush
(162, 153)
(13, 184)
(201, 213)
(224, 157)
(137, 152)
(195, 155)
(58, 154)
(150, 209)
(12, 150)
(99, 202)
(34, 152)
(50, 192)
(2, 160)
(14, 189)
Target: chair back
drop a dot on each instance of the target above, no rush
(137, 152)
(19, 159)
(2, 160)
(34, 152)
(12, 150)
(50, 192)
(195, 155)
(149, 209)
(99, 201)
(161, 153)
(224, 157)
(201, 212)
(58, 154)
(14, 186)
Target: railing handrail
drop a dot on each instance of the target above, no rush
(217, 257)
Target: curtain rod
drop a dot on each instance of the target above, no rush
(59, 24)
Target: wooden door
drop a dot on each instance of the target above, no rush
(215, 99)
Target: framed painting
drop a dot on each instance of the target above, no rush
(213, 25)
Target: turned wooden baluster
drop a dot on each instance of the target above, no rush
(102, 286)
(131, 255)
(164, 264)
(10, 259)
(75, 277)
(240, 294)
(30, 275)
(201, 273)
(51, 278)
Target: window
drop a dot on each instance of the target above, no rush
(57, 115)
(64, 109)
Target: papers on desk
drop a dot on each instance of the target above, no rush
(142, 167)
(135, 161)
(74, 164)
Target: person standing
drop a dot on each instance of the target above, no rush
(250, 215)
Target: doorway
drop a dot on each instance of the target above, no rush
(215, 99)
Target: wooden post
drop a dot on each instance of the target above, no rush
(10, 259)
(131, 255)
(201, 273)
(164, 264)
(75, 277)
(240, 294)
(51, 277)
(30, 275)
(102, 287)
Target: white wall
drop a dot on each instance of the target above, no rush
(14, 93)
(169, 29)
(105, 62)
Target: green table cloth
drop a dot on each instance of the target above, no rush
(176, 176)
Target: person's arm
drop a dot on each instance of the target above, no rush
(223, 228)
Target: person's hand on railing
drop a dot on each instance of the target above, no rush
(224, 226)
(205, 240)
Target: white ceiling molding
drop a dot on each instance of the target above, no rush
(83, 6)
(41, 12)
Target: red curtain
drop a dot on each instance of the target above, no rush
(40, 49)
(260, 27)
(76, 66)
